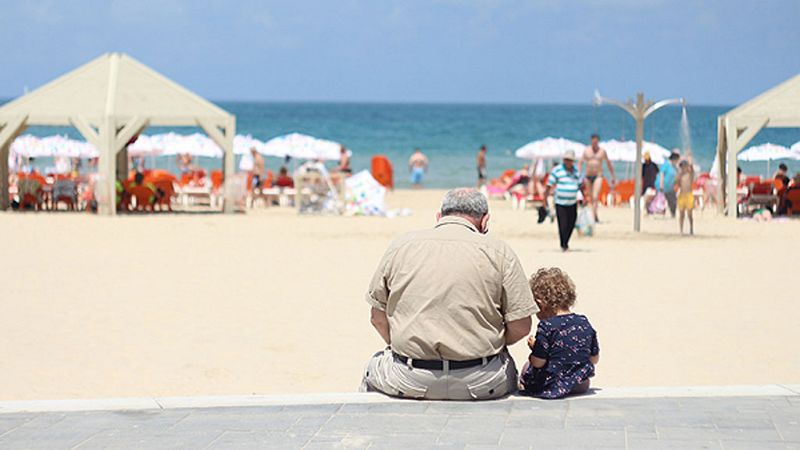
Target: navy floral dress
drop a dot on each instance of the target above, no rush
(566, 342)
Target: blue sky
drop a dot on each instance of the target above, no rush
(532, 51)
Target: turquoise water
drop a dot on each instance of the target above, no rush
(450, 134)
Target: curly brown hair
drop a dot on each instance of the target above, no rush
(552, 289)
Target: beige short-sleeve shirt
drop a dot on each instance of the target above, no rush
(449, 291)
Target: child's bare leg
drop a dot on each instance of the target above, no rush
(680, 219)
(691, 222)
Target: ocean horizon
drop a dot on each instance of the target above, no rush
(451, 133)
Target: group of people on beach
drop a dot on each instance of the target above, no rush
(571, 188)
(448, 301)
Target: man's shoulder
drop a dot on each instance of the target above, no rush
(435, 235)
(406, 237)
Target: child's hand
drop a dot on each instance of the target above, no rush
(531, 342)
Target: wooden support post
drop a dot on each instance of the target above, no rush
(737, 136)
(223, 135)
(106, 186)
(9, 131)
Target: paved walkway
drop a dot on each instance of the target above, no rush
(762, 422)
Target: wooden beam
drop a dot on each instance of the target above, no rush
(132, 128)
(10, 130)
(87, 130)
(213, 130)
(228, 165)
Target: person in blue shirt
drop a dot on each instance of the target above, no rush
(666, 181)
(565, 182)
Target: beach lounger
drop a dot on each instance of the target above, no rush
(762, 194)
(792, 200)
(30, 194)
(622, 193)
(142, 195)
(65, 191)
(166, 191)
(523, 201)
(195, 195)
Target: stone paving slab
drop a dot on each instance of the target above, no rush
(767, 422)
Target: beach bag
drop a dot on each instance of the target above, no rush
(585, 223)
(659, 204)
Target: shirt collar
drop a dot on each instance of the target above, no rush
(456, 220)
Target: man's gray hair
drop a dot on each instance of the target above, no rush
(465, 202)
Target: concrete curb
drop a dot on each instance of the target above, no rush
(151, 403)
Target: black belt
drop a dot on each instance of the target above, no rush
(435, 364)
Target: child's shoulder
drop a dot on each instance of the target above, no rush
(563, 320)
(572, 319)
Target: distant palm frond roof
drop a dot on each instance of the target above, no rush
(116, 85)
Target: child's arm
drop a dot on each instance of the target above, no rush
(537, 363)
(594, 351)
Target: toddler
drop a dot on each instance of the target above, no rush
(565, 350)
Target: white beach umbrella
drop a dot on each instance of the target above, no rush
(301, 146)
(548, 148)
(766, 152)
(144, 146)
(28, 146)
(52, 146)
(170, 144)
(626, 151)
(243, 144)
(795, 149)
(62, 146)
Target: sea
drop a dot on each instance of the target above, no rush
(450, 134)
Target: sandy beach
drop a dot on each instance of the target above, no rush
(271, 302)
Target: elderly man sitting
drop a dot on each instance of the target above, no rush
(448, 301)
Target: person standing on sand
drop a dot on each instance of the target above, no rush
(417, 165)
(685, 194)
(448, 301)
(593, 156)
(482, 166)
(258, 168)
(666, 181)
(649, 174)
(565, 180)
(344, 161)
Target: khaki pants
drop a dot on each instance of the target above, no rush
(495, 379)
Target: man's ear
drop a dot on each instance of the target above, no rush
(485, 223)
(438, 216)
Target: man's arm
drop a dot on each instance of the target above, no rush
(517, 329)
(381, 324)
